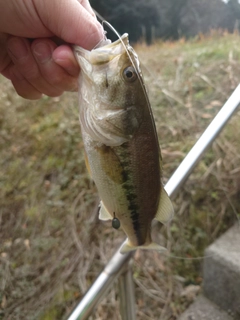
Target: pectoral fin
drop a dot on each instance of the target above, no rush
(165, 208)
(103, 213)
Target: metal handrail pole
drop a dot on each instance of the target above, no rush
(208, 136)
(127, 294)
(118, 261)
(101, 285)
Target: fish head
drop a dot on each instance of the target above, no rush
(112, 93)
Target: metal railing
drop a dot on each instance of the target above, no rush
(119, 267)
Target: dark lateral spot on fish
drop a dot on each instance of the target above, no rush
(134, 217)
(131, 197)
(125, 177)
(136, 227)
(133, 208)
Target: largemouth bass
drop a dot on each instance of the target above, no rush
(121, 145)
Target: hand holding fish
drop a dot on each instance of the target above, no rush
(30, 55)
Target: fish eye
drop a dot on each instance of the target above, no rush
(129, 74)
(115, 223)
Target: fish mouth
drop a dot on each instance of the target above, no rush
(102, 53)
(102, 43)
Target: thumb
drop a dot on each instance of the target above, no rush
(72, 20)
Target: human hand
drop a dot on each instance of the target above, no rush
(30, 53)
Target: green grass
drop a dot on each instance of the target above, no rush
(52, 245)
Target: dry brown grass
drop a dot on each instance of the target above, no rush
(52, 245)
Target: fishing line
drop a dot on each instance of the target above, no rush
(98, 15)
(123, 44)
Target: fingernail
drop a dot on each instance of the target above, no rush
(17, 48)
(42, 52)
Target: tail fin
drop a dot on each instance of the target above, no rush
(127, 247)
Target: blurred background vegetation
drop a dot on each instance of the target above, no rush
(168, 19)
(52, 245)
